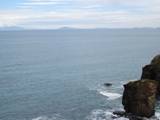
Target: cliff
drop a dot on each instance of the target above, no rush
(139, 96)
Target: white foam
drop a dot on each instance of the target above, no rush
(157, 114)
(40, 118)
(53, 117)
(99, 114)
(156, 117)
(111, 96)
(121, 118)
(104, 115)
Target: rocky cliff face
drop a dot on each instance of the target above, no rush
(139, 96)
(152, 71)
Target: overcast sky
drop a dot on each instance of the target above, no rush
(80, 13)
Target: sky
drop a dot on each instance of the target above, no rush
(48, 14)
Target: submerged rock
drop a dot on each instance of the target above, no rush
(108, 84)
(139, 97)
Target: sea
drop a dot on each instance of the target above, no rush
(60, 74)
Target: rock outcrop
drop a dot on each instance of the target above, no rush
(152, 71)
(107, 84)
(139, 96)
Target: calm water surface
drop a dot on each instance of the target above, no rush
(59, 74)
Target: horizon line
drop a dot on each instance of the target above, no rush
(16, 28)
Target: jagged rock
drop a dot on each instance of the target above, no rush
(156, 60)
(120, 113)
(152, 71)
(139, 97)
(130, 116)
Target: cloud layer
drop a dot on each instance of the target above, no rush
(82, 14)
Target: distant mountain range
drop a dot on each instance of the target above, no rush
(15, 28)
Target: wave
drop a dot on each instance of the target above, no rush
(99, 114)
(156, 117)
(104, 115)
(110, 95)
(41, 118)
(53, 117)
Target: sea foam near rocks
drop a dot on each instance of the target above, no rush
(110, 95)
(100, 114)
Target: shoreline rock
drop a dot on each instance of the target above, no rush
(139, 97)
(152, 71)
(126, 115)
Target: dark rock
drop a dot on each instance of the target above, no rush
(139, 97)
(126, 115)
(152, 71)
(108, 84)
(156, 60)
(133, 117)
(119, 113)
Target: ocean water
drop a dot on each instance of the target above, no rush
(59, 74)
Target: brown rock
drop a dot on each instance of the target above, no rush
(156, 60)
(152, 71)
(139, 97)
